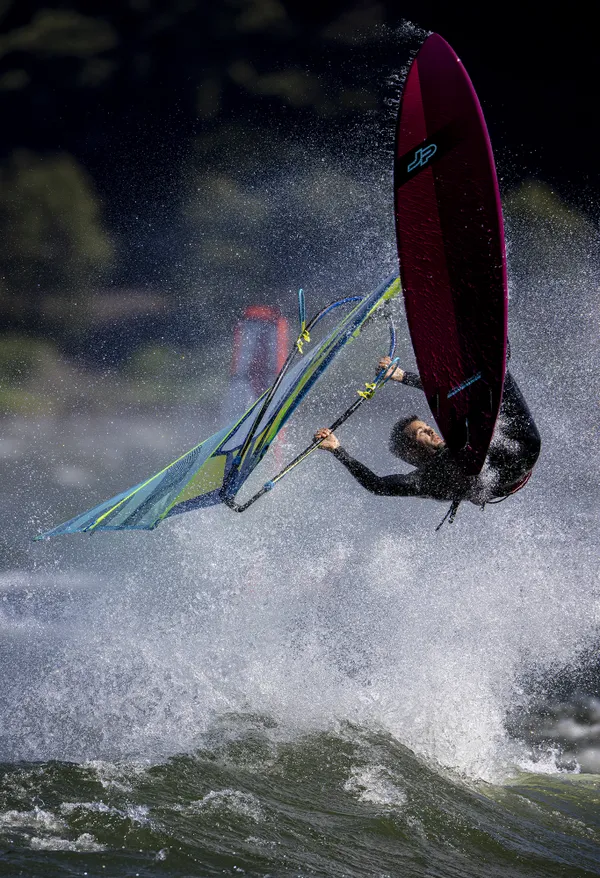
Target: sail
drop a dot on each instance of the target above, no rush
(217, 467)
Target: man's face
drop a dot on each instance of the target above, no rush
(426, 440)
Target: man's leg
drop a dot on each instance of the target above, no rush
(516, 444)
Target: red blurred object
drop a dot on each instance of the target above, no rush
(260, 346)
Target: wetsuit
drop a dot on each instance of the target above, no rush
(512, 455)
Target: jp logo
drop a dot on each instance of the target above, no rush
(422, 156)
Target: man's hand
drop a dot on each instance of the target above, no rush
(395, 373)
(328, 440)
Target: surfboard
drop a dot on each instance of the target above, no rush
(451, 249)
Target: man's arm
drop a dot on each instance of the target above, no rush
(410, 379)
(396, 485)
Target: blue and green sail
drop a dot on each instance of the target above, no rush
(214, 470)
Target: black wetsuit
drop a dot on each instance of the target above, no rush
(512, 455)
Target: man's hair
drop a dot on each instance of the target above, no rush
(400, 443)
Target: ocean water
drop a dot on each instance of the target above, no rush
(353, 802)
(322, 686)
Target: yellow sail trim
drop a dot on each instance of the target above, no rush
(208, 477)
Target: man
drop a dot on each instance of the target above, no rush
(513, 452)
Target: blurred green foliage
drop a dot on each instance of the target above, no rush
(51, 36)
(150, 362)
(51, 233)
(27, 367)
(24, 360)
(60, 32)
(546, 232)
(155, 99)
(161, 374)
(553, 249)
(539, 202)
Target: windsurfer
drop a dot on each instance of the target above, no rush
(437, 475)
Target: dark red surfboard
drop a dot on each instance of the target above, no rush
(451, 249)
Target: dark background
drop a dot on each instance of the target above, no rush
(121, 71)
(114, 112)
